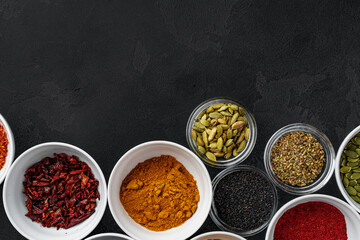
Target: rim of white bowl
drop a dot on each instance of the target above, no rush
(112, 176)
(11, 149)
(281, 211)
(208, 234)
(108, 235)
(102, 180)
(352, 203)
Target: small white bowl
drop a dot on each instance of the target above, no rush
(109, 236)
(352, 219)
(146, 151)
(218, 235)
(14, 198)
(11, 149)
(351, 201)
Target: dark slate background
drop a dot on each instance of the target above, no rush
(108, 75)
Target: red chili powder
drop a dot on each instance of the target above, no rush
(3, 146)
(311, 221)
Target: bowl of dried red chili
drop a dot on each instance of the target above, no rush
(299, 159)
(314, 217)
(7, 148)
(55, 190)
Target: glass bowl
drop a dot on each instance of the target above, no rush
(327, 169)
(224, 226)
(221, 162)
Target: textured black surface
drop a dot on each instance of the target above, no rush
(108, 75)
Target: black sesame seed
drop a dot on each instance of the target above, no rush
(244, 199)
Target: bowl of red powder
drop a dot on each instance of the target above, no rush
(315, 217)
(7, 148)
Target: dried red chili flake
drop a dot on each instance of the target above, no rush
(3, 146)
(61, 191)
(311, 221)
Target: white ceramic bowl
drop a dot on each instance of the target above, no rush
(109, 236)
(218, 235)
(352, 219)
(14, 198)
(351, 201)
(11, 149)
(146, 151)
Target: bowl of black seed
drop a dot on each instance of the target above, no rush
(244, 201)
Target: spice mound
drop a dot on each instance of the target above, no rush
(221, 131)
(297, 158)
(61, 191)
(244, 200)
(350, 168)
(311, 221)
(159, 193)
(3, 146)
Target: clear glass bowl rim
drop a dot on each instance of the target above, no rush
(213, 213)
(329, 154)
(222, 163)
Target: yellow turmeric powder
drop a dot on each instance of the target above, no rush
(159, 193)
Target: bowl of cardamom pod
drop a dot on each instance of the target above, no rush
(221, 132)
(347, 168)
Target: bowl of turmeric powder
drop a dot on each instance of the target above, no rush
(159, 190)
